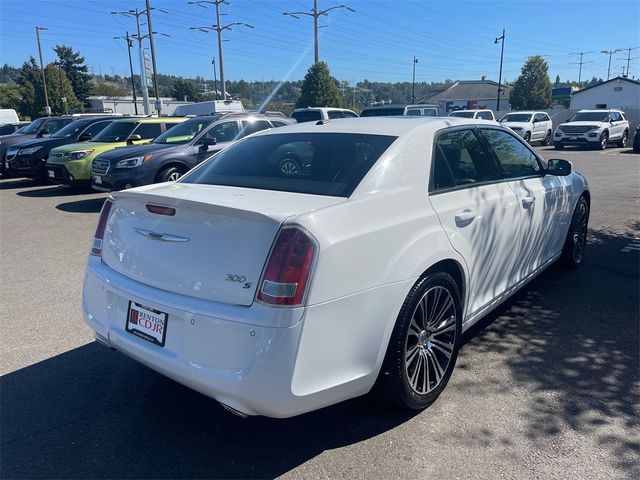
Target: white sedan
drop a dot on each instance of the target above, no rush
(277, 293)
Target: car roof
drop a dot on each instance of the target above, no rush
(394, 105)
(396, 126)
(151, 119)
(473, 110)
(596, 110)
(525, 111)
(319, 109)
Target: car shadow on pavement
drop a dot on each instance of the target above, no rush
(91, 205)
(55, 191)
(94, 413)
(19, 183)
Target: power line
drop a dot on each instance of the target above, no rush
(580, 63)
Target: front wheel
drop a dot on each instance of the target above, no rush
(576, 241)
(623, 140)
(424, 344)
(527, 137)
(604, 139)
(170, 174)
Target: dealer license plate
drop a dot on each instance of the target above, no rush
(51, 173)
(147, 323)
(97, 179)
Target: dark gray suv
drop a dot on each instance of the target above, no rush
(177, 150)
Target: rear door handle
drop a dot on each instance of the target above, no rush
(527, 201)
(465, 217)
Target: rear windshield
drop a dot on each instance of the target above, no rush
(315, 163)
(382, 112)
(516, 117)
(115, 132)
(307, 116)
(462, 114)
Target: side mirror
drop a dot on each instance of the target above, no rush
(133, 138)
(558, 167)
(85, 137)
(611, 120)
(208, 142)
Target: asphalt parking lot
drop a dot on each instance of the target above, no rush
(545, 387)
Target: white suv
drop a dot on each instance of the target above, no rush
(532, 126)
(593, 128)
(476, 114)
(313, 114)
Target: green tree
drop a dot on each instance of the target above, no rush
(60, 91)
(10, 96)
(77, 71)
(319, 88)
(532, 89)
(106, 89)
(183, 88)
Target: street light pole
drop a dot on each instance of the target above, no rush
(413, 84)
(315, 13)
(133, 85)
(500, 75)
(215, 79)
(47, 108)
(218, 27)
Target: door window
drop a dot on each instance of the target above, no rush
(460, 159)
(334, 114)
(514, 158)
(96, 128)
(55, 124)
(485, 115)
(615, 116)
(252, 127)
(148, 131)
(348, 114)
(223, 132)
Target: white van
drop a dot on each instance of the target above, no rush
(209, 108)
(8, 115)
(421, 110)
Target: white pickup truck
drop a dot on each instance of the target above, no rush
(593, 128)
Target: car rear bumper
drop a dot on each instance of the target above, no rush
(257, 360)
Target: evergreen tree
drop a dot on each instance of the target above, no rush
(76, 70)
(10, 96)
(319, 88)
(185, 88)
(60, 91)
(532, 89)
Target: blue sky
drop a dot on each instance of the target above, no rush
(452, 39)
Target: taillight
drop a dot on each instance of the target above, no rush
(286, 276)
(96, 248)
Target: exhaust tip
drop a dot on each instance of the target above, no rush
(237, 413)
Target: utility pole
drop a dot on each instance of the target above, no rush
(610, 53)
(153, 60)
(47, 108)
(63, 99)
(581, 62)
(413, 84)
(500, 75)
(215, 79)
(218, 27)
(315, 13)
(629, 57)
(133, 84)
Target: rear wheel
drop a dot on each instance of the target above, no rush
(424, 344)
(576, 241)
(547, 138)
(623, 141)
(527, 137)
(604, 139)
(170, 174)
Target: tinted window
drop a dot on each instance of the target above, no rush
(183, 132)
(277, 123)
(34, 126)
(115, 132)
(430, 112)
(71, 130)
(460, 159)
(382, 112)
(334, 114)
(148, 130)
(545, 117)
(223, 132)
(413, 112)
(316, 163)
(514, 158)
(461, 113)
(485, 115)
(348, 114)
(96, 128)
(590, 117)
(615, 116)
(55, 124)
(249, 127)
(307, 116)
(516, 117)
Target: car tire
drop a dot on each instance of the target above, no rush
(423, 349)
(170, 174)
(623, 141)
(604, 139)
(527, 137)
(290, 165)
(558, 146)
(576, 241)
(547, 138)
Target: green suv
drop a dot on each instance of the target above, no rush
(71, 164)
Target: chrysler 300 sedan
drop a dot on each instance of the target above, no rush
(279, 292)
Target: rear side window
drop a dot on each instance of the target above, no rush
(413, 112)
(460, 159)
(252, 127)
(55, 124)
(96, 128)
(314, 163)
(514, 158)
(278, 123)
(334, 114)
(148, 130)
(223, 132)
(307, 116)
(485, 115)
(348, 114)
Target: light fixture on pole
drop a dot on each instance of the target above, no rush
(413, 84)
(315, 13)
(215, 79)
(500, 75)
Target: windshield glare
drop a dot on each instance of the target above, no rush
(591, 117)
(312, 163)
(34, 126)
(184, 132)
(72, 129)
(516, 117)
(115, 132)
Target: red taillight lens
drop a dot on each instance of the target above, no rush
(96, 248)
(287, 274)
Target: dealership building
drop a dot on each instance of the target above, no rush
(619, 92)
